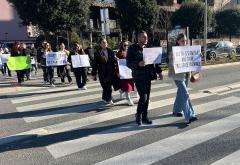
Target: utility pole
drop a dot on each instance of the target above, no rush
(205, 31)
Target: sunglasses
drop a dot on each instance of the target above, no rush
(125, 45)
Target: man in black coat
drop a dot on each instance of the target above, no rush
(105, 65)
(142, 76)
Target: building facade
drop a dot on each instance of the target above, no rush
(11, 29)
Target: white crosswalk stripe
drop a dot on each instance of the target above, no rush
(59, 101)
(83, 108)
(161, 149)
(232, 159)
(66, 148)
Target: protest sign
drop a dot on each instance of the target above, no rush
(124, 71)
(33, 61)
(80, 61)
(4, 57)
(19, 62)
(152, 55)
(187, 58)
(56, 59)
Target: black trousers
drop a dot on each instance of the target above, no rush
(20, 75)
(5, 69)
(143, 88)
(48, 73)
(27, 72)
(107, 90)
(81, 76)
(64, 72)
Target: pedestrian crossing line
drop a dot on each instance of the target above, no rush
(86, 107)
(79, 123)
(69, 147)
(79, 99)
(232, 159)
(54, 95)
(162, 149)
(228, 92)
(223, 88)
(55, 89)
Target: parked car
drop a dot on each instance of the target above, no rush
(220, 49)
(238, 50)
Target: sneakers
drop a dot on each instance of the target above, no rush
(52, 85)
(192, 119)
(45, 83)
(108, 103)
(84, 88)
(130, 102)
(177, 114)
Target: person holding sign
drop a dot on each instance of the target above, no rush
(64, 69)
(47, 70)
(79, 72)
(25, 52)
(126, 85)
(105, 64)
(33, 54)
(16, 52)
(5, 68)
(142, 75)
(182, 101)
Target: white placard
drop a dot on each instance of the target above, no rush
(4, 58)
(187, 58)
(56, 59)
(33, 61)
(80, 61)
(152, 55)
(124, 71)
(1, 64)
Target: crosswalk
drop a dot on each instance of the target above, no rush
(112, 128)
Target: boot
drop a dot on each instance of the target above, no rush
(145, 120)
(138, 119)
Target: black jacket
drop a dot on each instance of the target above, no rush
(106, 69)
(148, 72)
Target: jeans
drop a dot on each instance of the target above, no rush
(182, 101)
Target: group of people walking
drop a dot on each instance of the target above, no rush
(20, 49)
(105, 65)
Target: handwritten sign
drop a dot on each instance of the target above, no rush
(124, 71)
(56, 59)
(152, 55)
(187, 58)
(80, 61)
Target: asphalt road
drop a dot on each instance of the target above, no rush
(63, 125)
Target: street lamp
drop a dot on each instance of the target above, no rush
(205, 31)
